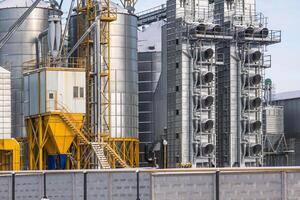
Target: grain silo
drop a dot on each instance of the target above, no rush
(20, 49)
(124, 75)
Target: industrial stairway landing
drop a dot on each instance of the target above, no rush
(116, 156)
(97, 147)
(99, 151)
(77, 132)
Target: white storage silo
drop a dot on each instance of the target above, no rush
(5, 104)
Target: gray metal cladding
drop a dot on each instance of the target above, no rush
(19, 49)
(149, 68)
(273, 120)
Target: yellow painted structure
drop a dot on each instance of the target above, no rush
(10, 155)
(61, 133)
(126, 148)
(49, 134)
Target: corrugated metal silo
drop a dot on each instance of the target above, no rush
(124, 74)
(5, 104)
(19, 49)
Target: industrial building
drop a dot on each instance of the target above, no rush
(99, 88)
(215, 55)
(290, 103)
(180, 85)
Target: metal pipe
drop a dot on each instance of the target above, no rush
(66, 27)
(39, 46)
(82, 38)
(98, 55)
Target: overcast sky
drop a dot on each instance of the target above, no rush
(283, 15)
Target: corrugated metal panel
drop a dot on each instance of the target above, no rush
(5, 104)
(19, 49)
(273, 120)
(59, 90)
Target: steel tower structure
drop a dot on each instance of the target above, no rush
(240, 82)
(191, 61)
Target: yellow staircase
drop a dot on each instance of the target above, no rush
(77, 132)
(116, 156)
(98, 148)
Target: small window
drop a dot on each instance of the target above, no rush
(177, 135)
(81, 92)
(51, 96)
(177, 88)
(177, 65)
(177, 112)
(177, 41)
(75, 92)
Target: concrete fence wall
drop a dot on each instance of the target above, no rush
(223, 184)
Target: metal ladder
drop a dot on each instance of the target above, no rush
(116, 156)
(67, 120)
(97, 147)
(99, 151)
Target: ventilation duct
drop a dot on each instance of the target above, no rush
(261, 32)
(201, 28)
(255, 149)
(207, 125)
(213, 28)
(252, 103)
(252, 126)
(207, 148)
(253, 80)
(253, 56)
(205, 54)
(249, 31)
(207, 101)
(207, 77)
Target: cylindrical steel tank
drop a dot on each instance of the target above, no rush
(124, 74)
(273, 120)
(20, 49)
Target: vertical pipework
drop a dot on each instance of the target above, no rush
(98, 71)
(37, 51)
(191, 129)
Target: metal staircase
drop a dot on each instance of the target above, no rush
(79, 134)
(116, 156)
(98, 148)
(99, 151)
